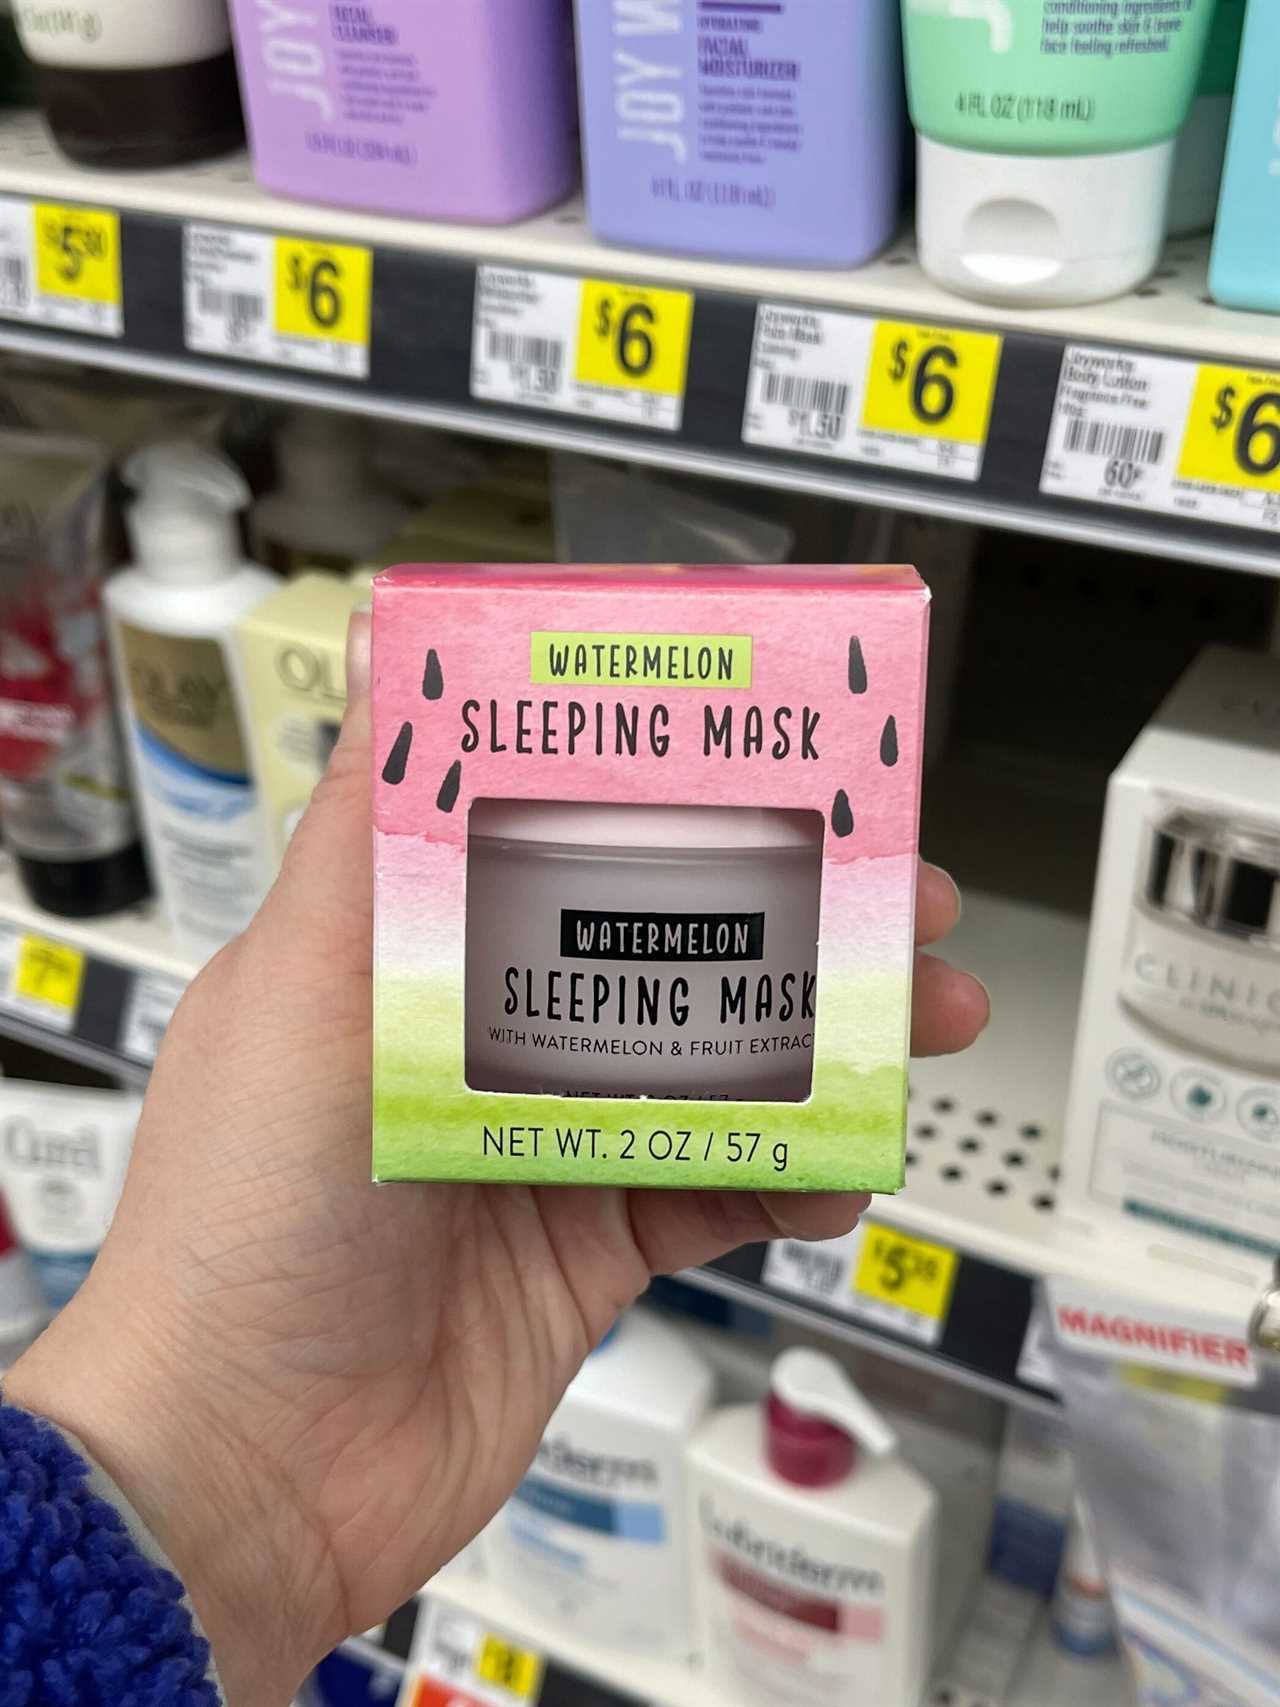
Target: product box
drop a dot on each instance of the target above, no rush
(645, 847)
(292, 652)
(1173, 1125)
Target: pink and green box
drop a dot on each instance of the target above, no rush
(479, 672)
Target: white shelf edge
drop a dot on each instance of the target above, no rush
(1128, 530)
(1174, 320)
(1046, 1677)
(1020, 1066)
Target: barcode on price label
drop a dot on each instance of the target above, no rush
(152, 999)
(1158, 434)
(233, 305)
(15, 282)
(812, 396)
(291, 302)
(1110, 438)
(530, 352)
(818, 1272)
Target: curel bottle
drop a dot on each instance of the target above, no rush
(767, 132)
(422, 107)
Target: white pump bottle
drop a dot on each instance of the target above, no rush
(813, 1547)
(171, 618)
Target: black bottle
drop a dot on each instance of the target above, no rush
(124, 83)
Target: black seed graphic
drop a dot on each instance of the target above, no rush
(889, 742)
(432, 677)
(447, 798)
(842, 815)
(857, 667)
(398, 757)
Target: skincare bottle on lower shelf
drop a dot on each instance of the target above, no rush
(814, 1547)
(172, 618)
(594, 1537)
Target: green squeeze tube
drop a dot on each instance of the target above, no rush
(1046, 139)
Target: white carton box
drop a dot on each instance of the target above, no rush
(1173, 1122)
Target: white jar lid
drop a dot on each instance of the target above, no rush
(569, 823)
(1038, 231)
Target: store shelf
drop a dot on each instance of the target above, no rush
(98, 991)
(580, 1674)
(984, 1143)
(419, 357)
(983, 1149)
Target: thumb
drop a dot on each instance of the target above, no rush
(324, 894)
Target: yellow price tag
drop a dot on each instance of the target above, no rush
(932, 381)
(323, 290)
(909, 1273)
(78, 253)
(49, 972)
(634, 338)
(515, 1670)
(1233, 431)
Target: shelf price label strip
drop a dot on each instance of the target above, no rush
(599, 348)
(60, 266)
(458, 1662)
(70, 994)
(1155, 433)
(292, 302)
(904, 395)
(876, 1274)
(40, 980)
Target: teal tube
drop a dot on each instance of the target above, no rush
(1245, 270)
(1202, 142)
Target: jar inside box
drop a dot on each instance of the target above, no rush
(656, 951)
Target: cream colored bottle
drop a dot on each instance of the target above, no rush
(813, 1548)
(171, 622)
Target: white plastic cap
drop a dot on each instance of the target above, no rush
(183, 525)
(816, 1386)
(1039, 231)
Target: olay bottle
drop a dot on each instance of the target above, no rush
(128, 84)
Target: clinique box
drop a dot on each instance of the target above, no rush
(1173, 1125)
(645, 845)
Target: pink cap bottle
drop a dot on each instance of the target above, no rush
(818, 1546)
(815, 1419)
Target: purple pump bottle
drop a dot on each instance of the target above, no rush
(424, 107)
(764, 130)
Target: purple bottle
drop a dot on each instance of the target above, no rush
(762, 129)
(435, 108)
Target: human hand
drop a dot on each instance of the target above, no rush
(315, 1390)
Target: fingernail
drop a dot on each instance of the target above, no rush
(951, 883)
(359, 653)
(986, 994)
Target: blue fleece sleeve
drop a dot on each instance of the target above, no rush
(87, 1619)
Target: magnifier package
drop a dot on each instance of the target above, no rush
(645, 855)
